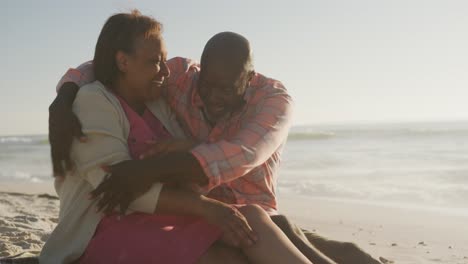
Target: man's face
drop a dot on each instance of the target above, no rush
(222, 89)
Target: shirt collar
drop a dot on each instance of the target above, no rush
(198, 102)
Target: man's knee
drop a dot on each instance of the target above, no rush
(291, 230)
(349, 247)
(282, 222)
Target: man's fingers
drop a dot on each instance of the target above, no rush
(155, 149)
(113, 202)
(124, 206)
(106, 168)
(57, 164)
(57, 168)
(77, 129)
(150, 152)
(102, 202)
(102, 187)
(68, 163)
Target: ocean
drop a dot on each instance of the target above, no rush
(423, 165)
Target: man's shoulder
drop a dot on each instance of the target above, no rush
(262, 86)
(181, 64)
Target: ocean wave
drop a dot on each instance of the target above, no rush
(431, 195)
(375, 132)
(310, 135)
(24, 140)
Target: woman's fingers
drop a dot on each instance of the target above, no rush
(230, 237)
(244, 225)
(241, 232)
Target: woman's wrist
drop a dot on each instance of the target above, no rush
(206, 206)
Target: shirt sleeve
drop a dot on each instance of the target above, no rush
(181, 74)
(81, 75)
(106, 144)
(260, 135)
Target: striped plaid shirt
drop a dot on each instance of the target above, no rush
(240, 154)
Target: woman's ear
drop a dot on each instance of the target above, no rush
(251, 75)
(121, 59)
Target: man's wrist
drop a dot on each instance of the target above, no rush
(186, 170)
(68, 92)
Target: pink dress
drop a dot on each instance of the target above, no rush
(148, 238)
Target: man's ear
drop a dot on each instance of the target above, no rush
(121, 59)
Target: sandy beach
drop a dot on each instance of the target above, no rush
(28, 213)
(396, 234)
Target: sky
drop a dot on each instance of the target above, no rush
(342, 61)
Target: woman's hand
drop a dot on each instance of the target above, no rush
(166, 146)
(124, 183)
(236, 229)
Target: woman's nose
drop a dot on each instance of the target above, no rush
(165, 70)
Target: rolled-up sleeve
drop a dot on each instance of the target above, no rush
(81, 75)
(106, 143)
(260, 135)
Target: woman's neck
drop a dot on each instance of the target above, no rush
(126, 93)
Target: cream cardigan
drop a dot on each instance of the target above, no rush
(107, 128)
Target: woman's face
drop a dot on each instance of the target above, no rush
(146, 68)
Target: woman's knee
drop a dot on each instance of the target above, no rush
(253, 211)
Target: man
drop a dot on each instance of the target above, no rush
(238, 122)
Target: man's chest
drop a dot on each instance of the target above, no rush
(195, 124)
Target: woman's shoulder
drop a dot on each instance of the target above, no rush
(95, 94)
(95, 100)
(95, 88)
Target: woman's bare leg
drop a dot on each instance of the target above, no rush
(221, 253)
(272, 246)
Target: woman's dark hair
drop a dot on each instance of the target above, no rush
(119, 34)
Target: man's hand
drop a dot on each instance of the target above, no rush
(166, 146)
(236, 229)
(124, 183)
(63, 127)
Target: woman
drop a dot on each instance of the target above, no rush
(166, 224)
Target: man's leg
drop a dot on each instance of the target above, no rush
(340, 252)
(300, 240)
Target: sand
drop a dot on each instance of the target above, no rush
(28, 213)
(396, 234)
